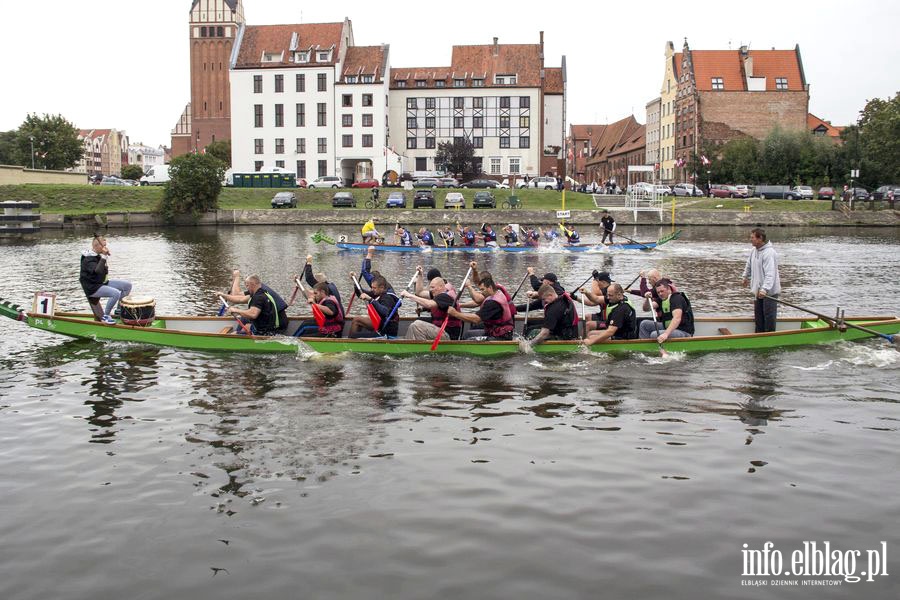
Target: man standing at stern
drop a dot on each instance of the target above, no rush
(761, 275)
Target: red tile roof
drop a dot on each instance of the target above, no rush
(613, 135)
(635, 140)
(553, 81)
(277, 39)
(585, 132)
(813, 123)
(365, 60)
(729, 65)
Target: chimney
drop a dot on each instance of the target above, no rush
(542, 46)
(748, 65)
(496, 49)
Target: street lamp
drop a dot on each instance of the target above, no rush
(32, 151)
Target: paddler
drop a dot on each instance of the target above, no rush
(442, 298)
(677, 318)
(510, 235)
(404, 238)
(494, 315)
(620, 318)
(313, 279)
(369, 234)
(327, 312)
(426, 238)
(382, 298)
(488, 235)
(597, 296)
(560, 316)
(265, 312)
(572, 236)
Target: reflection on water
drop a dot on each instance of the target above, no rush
(308, 466)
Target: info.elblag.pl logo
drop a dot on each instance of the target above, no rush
(815, 563)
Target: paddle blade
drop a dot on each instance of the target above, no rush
(374, 317)
(318, 315)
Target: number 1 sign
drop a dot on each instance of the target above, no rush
(44, 304)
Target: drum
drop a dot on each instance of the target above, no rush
(138, 310)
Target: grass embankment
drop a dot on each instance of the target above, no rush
(91, 199)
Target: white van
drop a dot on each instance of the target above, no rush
(157, 175)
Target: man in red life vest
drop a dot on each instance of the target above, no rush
(442, 298)
(329, 316)
(597, 296)
(494, 315)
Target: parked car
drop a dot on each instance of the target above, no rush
(826, 193)
(687, 189)
(111, 180)
(857, 193)
(156, 175)
(484, 200)
(641, 187)
(328, 181)
(365, 183)
(95, 179)
(427, 182)
(396, 200)
(772, 191)
(800, 192)
(718, 190)
(539, 183)
(450, 182)
(884, 192)
(662, 190)
(504, 185)
(284, 200)
(744, 190)
(130, 182)
(455, 200)
(423, 199)
(343, 199)
(481, 183)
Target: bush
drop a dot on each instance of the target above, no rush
(132, 172)
(194, 186)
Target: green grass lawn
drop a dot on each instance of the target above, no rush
(90, 199)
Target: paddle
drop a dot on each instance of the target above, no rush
(239, 322)
(318, 315)
(521, 283)
(440, 333)
(662, 351)
(645, 246)
(376, 318)
(583, 321)
(356, 283)
(890, 338)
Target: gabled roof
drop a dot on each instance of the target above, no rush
(553, 81)
(814, 123)
(635, 140)
(587, 132)
(276, 39)
(730, 66)
(232, 4)
(613, 135)
(365, 60)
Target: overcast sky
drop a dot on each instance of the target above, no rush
(124, 63)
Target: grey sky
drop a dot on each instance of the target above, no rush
(124, 63)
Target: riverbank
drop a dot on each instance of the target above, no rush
(89, 206)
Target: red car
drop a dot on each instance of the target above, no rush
(826, 193)
(365, 183)
(724, 191)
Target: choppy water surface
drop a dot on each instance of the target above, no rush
(144, 472)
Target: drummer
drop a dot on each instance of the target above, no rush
(95, 281)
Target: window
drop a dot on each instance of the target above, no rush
(477, 102)
(458, 122)
(524, 122)
(410, 122)
(324, 56)
(458, 139)
(459, 83)
(257, 165)
(351, 79)
(401, 84)
(347, 141)
(504, 101)
(410, 143)
(368, 78)
(430, 122)
(347, 100)
(429, 142)
(440, 83)
(279, 115)
(781, 83)
(279, 163)
(524, 141)
(478, 83)
(322, 145)
(257, 84)
(257, 115)
(505, 79)
(279, 145)
(367, 140)
(514, 165)
(323, 82)
(301, 169)
(459, 102)
(718, 83)
(477, 122)
(504, 141)
(420, 83)
(301, 115)
(429, 102)
(279, 84)
(323, 168)
(495, 166)
(524, 101)
(258, 146)
(347, 120)
(300, 82)
(411, 103)
(367, 99)
(321, 114)
(301, 145)
(302, 57)
(367, 120)
(504, 122)
(478, 142)
(203, 32)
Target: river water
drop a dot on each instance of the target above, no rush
(143, 472)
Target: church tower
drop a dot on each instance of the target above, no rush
(214, 29)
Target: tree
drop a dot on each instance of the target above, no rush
(221, 149)
(9, 148)
(132, 172)
(56, 143)
(457, 156)
(194, 186)
(879, 140)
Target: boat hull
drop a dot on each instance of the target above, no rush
(349, 246)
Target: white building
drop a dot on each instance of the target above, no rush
(145, 156)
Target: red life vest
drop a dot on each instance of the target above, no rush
(504, 325)
(438, 315)
(572, 307)
(334, 323)
(512, 307)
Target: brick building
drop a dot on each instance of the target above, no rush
(580, 144)
(818, 127)
(105, 151)
(615, 146)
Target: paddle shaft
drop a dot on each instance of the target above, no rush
(440, 333)
(521, 283)
(236, 318)
(833, 321)
(646, 247)
(662, 351)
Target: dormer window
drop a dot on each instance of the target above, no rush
(781, 83)
(301, 57)
(440, 83)
(351, 79)
(323, 56)
(718, 83)
(368, 78)
(459, 83)
(505, 79)
(478, 83)
(270, 57)
(420, 83)
(401, 83)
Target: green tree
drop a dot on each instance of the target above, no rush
(457, 156)
(221, 149)
(194, 186)
(9, 148)
(56, 144)
(132, 172)
(879, 141)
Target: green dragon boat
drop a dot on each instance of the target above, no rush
(204, 333)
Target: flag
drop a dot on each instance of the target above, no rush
(704, 160)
